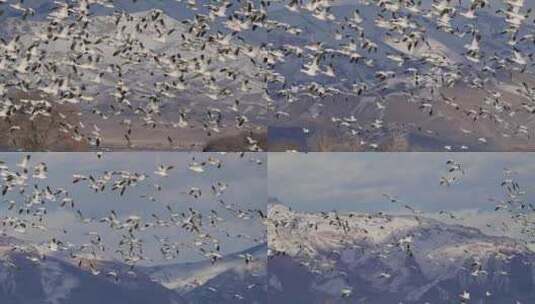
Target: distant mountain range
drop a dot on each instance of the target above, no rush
(384, 259)
(312, 258)
(30, 277)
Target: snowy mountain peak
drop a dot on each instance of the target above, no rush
(394, 257)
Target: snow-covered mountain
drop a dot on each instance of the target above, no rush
(28, 275)
(239, 277)
(314, 258)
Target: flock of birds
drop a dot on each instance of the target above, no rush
(173, 230)
(237, 66)
(240, 66)
(139, 70)
(397, 52)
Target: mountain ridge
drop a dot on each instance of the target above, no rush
(386, 258)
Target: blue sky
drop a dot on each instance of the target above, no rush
(246, 179)
(356, 181)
